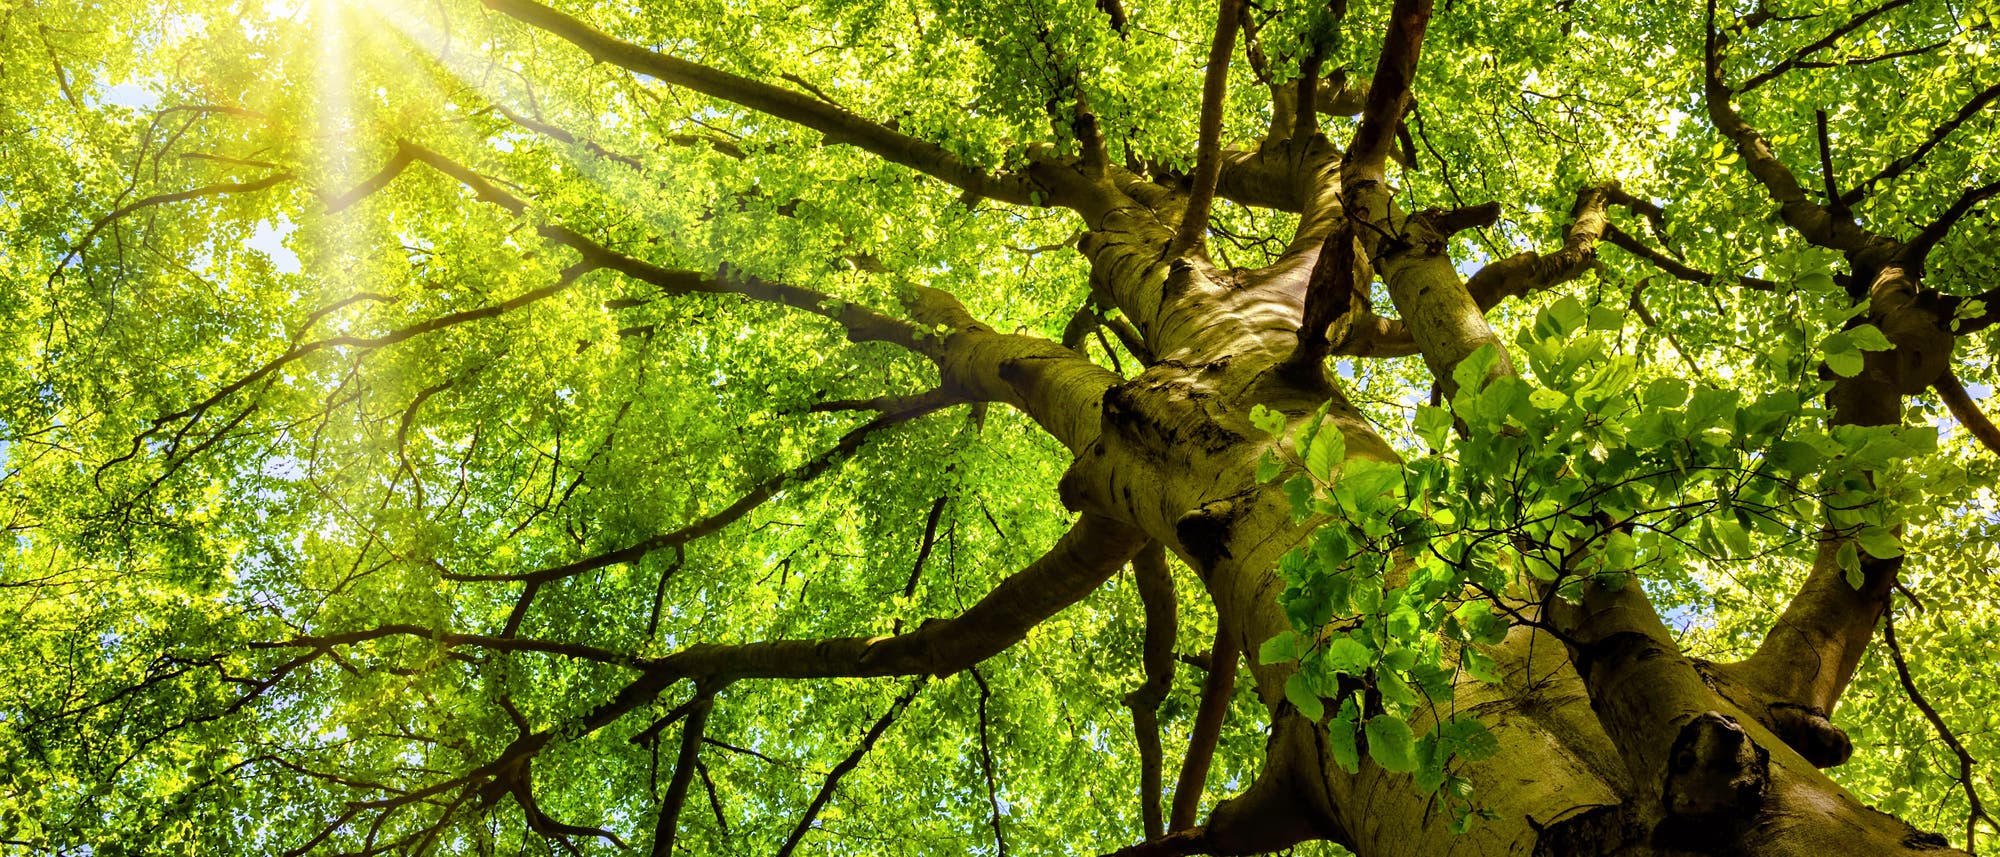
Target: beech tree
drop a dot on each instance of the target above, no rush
(1023, 427)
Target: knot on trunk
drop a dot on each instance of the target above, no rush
(1204, 533)
(1806, 729)
(1716, 776)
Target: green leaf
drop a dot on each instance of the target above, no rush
(1281, 648)
(1268, 466)
(1881, 542)
(1266, 420)
(1470, 373)
(1298, 691)
(1560, 319)
(1546, 399)
(1849, 560)
(1868, 337)
(1605, 318)
(1341, 737)
(1328, 448)
(1480, 624)
(1346, 655)
(1390, 744)
(1469, 739)
(1299, 489)
(1394, 689)
(1734, 536)
(1433, 425)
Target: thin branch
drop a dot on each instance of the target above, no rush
(862, 324)
(886, 404)
(1798, 57)
(929, 542)
(391, 168)
(1216, 690)
(1680, 270)
(839, 125)
(714, 802)
(986, 761)
(1965, 761)
(1817, 223)
(326, 642)
(568, 278)
(756, 496)
(853, 759)
(217, 189)
(1900, 165)
(1920, 246)
(1208, 154)
(651, 734)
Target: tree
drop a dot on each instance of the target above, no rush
(925, 427)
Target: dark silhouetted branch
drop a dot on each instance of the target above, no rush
(853, 759)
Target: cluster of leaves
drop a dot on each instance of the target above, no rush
(1535, 488)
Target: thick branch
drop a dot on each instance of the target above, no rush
(1085, 557)
(1526, 272)
(1388, 93)
(1208, 155)
(684, 768)
(1967, 411)
(1156, 594)
(1813, 649)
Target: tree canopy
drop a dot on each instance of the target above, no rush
(999, 427)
